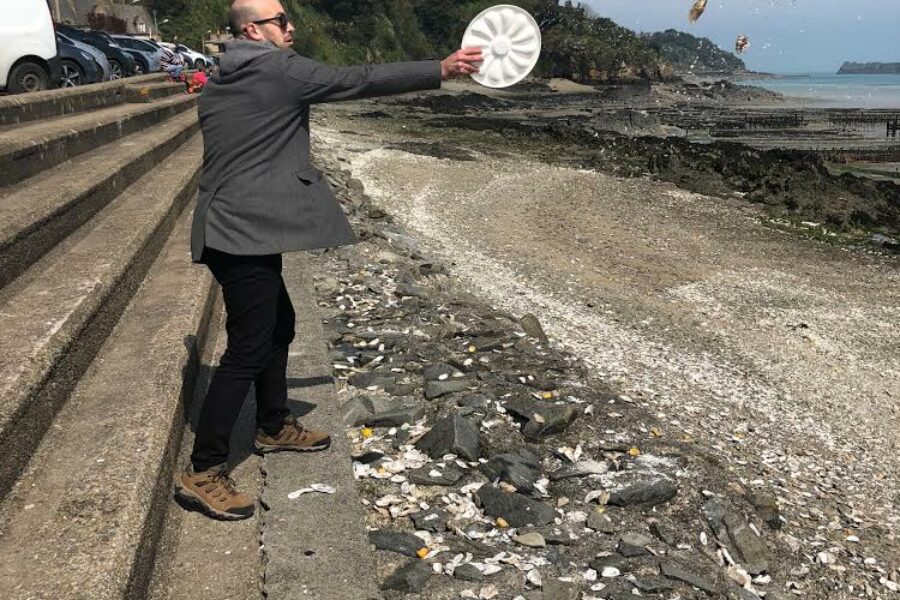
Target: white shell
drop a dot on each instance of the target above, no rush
(510, 40)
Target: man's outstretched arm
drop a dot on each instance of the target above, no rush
(314, 82)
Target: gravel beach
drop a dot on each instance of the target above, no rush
(773, 357)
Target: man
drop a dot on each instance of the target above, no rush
(172, 63)
(259, 197)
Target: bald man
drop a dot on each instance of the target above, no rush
(260, 197)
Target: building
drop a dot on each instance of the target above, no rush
(107, 15)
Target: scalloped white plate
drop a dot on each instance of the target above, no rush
(510, 40)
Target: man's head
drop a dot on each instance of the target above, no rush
(261, 20)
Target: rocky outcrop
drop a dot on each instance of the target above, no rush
(872, 68)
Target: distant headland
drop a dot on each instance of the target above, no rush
(873, 68)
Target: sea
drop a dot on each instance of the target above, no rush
(828, 90)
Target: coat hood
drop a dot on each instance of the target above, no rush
(238, 53)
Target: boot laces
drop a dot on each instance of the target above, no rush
(228, 484)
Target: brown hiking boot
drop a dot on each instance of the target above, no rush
(214, 493)
(292, 437)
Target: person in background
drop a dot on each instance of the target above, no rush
(198, 81)
(173, 64)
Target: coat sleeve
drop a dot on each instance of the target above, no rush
(311, 82)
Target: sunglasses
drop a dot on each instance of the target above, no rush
(280, 18)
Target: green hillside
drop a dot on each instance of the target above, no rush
(577, 44)
(691, 54)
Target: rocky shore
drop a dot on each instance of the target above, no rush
(714, 138)
(495, 464)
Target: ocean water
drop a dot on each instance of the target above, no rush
(838, 91)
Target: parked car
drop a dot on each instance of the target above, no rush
(150, 54)
(192, 59)
(28, 55)
(77, 67)
(96, 53)
(141, 62)
(121, 63)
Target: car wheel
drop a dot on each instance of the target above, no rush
(139, 69)
(71, 74)
(28, 77)
(115, 69)
(189, 64)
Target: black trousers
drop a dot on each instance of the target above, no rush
(260, 327)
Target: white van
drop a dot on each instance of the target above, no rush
(28, 57)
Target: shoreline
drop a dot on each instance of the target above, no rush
(719, 139)
(677, 317)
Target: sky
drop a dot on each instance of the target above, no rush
(786, 36)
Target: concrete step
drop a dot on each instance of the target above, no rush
(84, 520)
(40, 212)
(55, 317)
(151, 92)
(21, 108)
(26, 150)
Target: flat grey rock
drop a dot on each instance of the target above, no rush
(633, 544)
(436, 371)
(646, 493)
(410, 578)
(600, 522)
(432, 520)
(453, 435)
(542, 419)
(434, 475)
(400, 542)
(530, 539)
(532, 327)
(754, 553)
(554, 589)
(652, 585)
(436, 389)
(395, 418)
(355, 411)
(468, 572)
(521, 470)
(673, 571)
(516, 509)
(582, 468)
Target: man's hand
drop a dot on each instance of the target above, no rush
(461, 63)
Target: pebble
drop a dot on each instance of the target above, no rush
(599, 522)
(468, 572)
(532, 540)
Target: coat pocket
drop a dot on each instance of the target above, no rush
(309, 175)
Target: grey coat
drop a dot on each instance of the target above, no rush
(258, 192)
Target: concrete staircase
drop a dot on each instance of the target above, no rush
(102, 321)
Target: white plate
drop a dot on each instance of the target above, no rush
(510, 40)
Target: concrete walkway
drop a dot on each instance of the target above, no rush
(315, 546)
